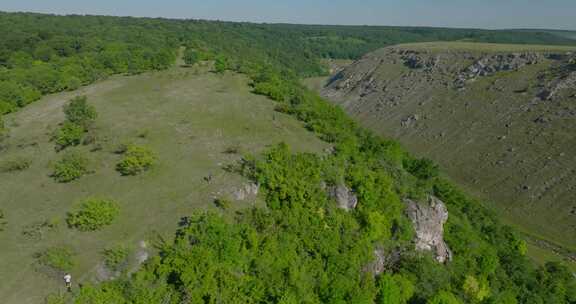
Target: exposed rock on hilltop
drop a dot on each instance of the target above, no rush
(428, 219)
(345, 197)
(499, 119)
(492, 64)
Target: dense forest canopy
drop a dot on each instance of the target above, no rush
(300, 248)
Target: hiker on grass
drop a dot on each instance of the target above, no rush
(68, 281)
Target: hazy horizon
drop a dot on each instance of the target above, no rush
(490, 14)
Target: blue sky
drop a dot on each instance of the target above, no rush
(560, 14)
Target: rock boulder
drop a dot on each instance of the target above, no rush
(428, 220)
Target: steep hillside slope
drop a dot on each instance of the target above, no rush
(499, 118)
(196, 122)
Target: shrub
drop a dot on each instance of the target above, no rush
(59, 258)
(78, 111)
(72, 166)
(143, 133)
(232, 150)
(115, 258)
(16, 164)
(70, 134)
(121, 148)
(223, 203)
(3, 222)
(421, 168)
(93, 214)
(137, 159)
(37, 230)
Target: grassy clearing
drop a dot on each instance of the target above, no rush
(438, 47)
(190, 118)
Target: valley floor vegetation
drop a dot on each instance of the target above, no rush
(300, 248)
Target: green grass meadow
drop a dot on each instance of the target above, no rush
(188, 116)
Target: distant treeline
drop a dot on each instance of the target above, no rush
(41, 54)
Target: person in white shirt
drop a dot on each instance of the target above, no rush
(68, 281)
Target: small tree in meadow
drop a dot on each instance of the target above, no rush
(93, 214)
(72, 166)
(137, 159)
(79, 112)
(79, 118)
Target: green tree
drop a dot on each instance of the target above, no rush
(444, 297)
(395, 289)
(474, 290)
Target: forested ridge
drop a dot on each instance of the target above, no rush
(41, 54)
(300, 248)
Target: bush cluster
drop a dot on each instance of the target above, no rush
(93, 214)
(136, 160)
(72, 166)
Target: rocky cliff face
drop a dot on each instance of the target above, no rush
(428, 219)
(498, 121)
